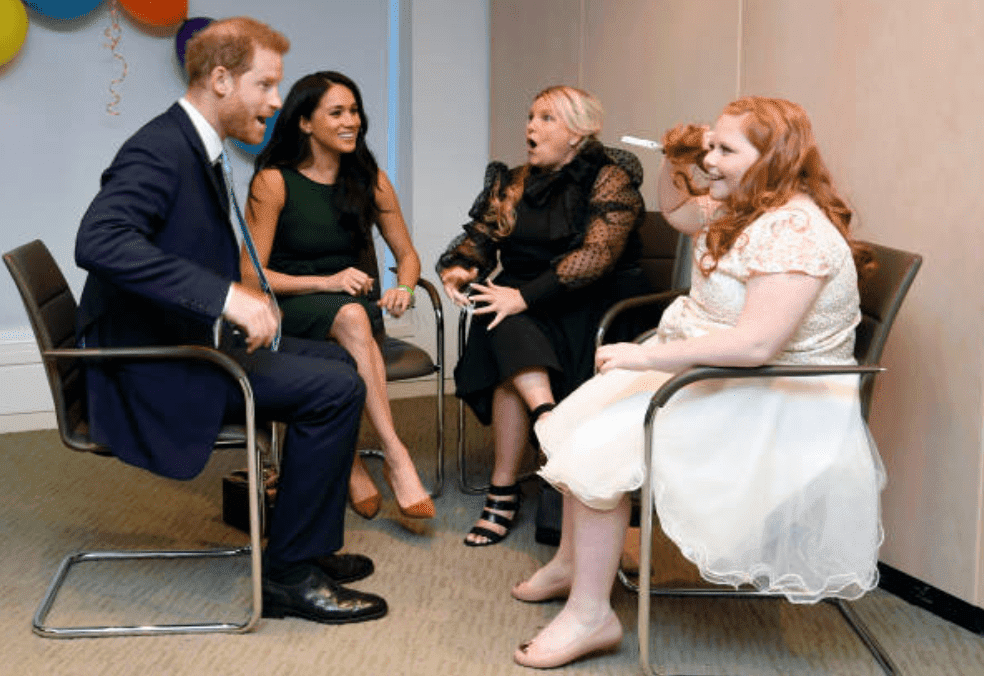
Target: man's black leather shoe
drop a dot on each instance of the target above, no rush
(343, 568)
(320, 599)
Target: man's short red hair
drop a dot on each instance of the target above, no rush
(230, 43)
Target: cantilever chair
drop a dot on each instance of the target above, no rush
(406, 361)
(881, 297)
(51, 308)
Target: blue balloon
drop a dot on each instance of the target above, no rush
(187, 30)
(62, 9)
(256, 148)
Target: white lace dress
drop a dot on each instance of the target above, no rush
(770, 482)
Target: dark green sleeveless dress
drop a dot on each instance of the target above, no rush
(311, 241)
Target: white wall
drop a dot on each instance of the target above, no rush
(894, 91)
(56, 136)
(450, 133)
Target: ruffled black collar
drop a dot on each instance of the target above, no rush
(581, 171)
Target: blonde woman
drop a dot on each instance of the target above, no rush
(561, 226)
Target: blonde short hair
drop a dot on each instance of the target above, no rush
(580, 110)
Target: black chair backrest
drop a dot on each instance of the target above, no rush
(51, 308)
(664, 255)
(882, 294)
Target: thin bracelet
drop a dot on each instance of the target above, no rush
(408, 289)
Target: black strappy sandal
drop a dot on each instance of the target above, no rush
(491, 502)
(534, 416)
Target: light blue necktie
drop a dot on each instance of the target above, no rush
(250, 248)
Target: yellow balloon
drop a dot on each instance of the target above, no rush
(13, 28)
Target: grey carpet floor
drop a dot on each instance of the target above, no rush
(450, 610)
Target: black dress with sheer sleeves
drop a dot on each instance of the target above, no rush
(572, 254)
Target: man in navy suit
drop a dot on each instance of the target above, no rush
(163, 263)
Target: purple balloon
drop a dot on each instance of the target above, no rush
(187, 30)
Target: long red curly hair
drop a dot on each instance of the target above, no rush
(789, 163)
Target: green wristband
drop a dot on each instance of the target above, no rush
(408, 289)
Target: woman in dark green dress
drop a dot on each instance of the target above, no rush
(313, 200)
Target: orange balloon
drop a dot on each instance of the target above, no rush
(160, 13)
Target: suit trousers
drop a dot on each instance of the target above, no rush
(314, 388)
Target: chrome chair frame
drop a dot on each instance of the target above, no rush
(644, 587)
(62, 364)
(881, 298)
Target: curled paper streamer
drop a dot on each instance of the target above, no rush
(113, 34)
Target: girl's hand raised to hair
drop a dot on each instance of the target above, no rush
(682, 175)
(686, 143)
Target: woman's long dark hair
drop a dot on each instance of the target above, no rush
(289, 147)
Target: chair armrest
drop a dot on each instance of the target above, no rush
(164, 353)
(662, 298)
(646, 335)
(435, 299)
(169, 352)
(698, 373)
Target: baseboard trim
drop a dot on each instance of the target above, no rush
(27, 422)
(928, 597)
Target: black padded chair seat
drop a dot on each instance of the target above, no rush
(405, 360)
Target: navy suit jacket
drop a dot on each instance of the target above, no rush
(160, 251)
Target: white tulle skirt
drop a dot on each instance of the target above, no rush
(769, 482)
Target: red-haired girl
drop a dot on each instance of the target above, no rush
(765, 482)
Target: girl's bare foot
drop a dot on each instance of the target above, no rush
(549, 582)
(569, 638)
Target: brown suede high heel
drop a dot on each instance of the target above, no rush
(423, 509)
(368, 507)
